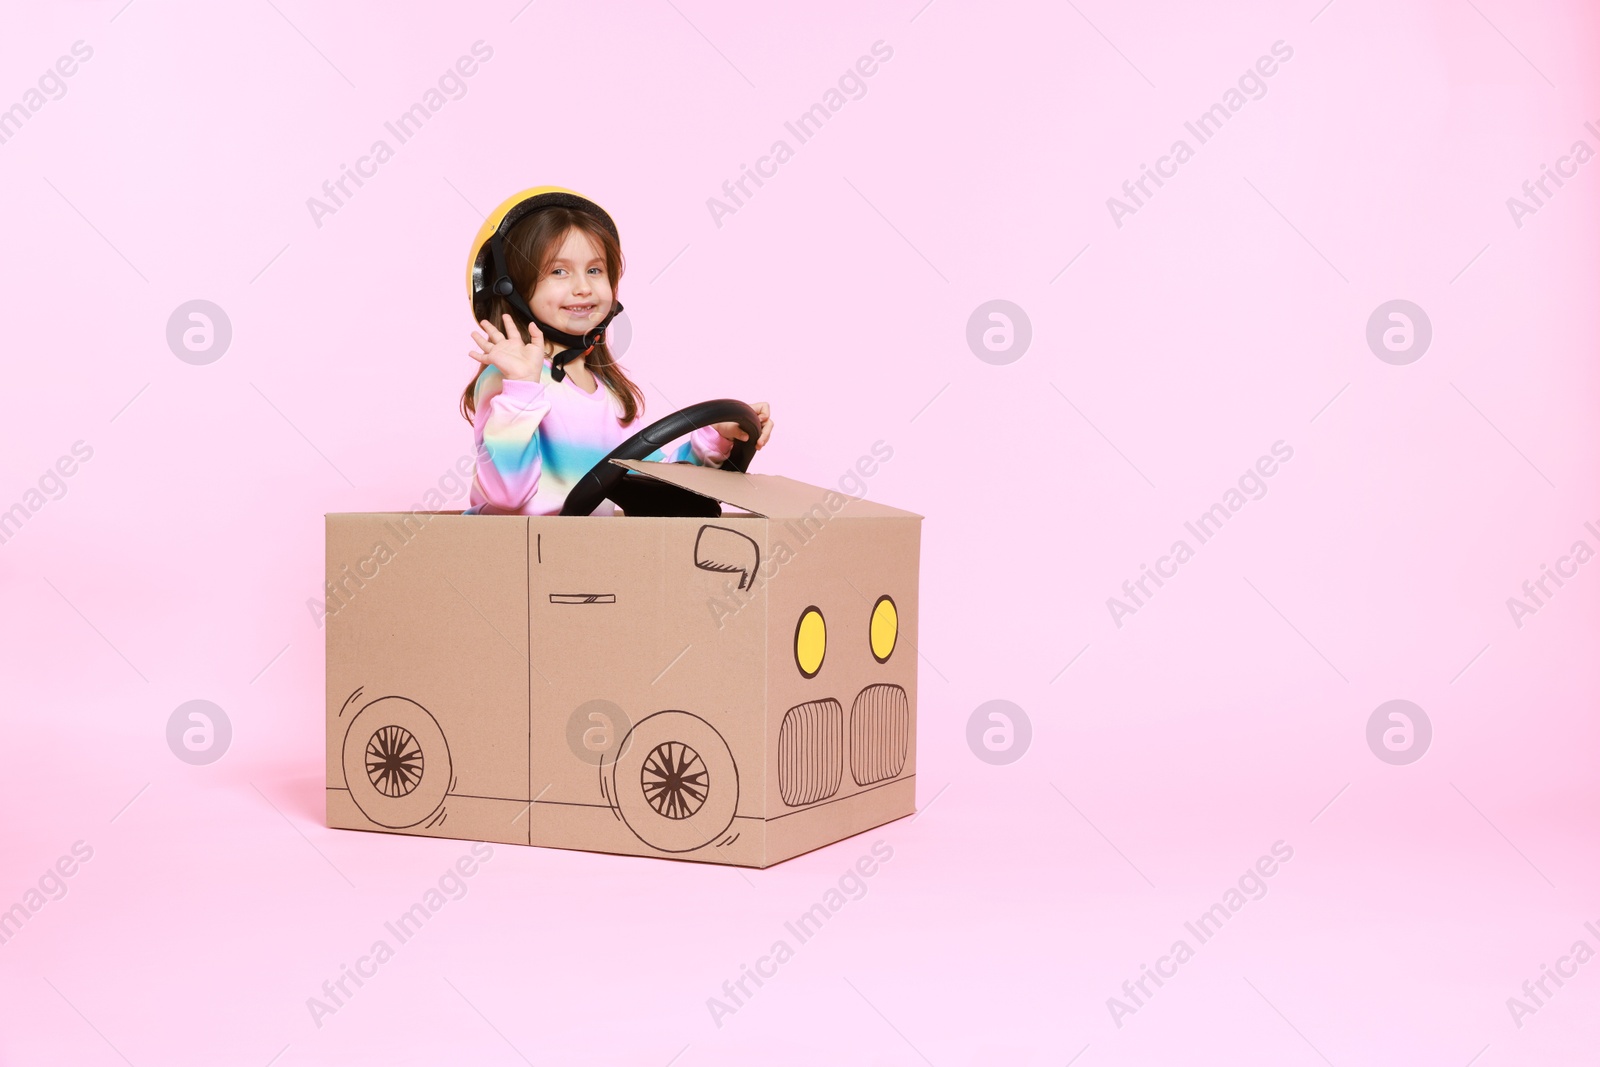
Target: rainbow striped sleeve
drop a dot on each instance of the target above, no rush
(536, 439)
(506, 423)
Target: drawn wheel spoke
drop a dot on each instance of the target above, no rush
(394, 761)
(674, 780)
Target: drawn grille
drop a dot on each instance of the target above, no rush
(880, 730)
(811, 752)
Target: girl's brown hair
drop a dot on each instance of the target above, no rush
(531, 245)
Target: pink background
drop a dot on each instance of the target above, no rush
(1228, 313)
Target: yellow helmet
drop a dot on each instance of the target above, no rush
(486, 263)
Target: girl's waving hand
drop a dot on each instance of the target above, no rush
(516, 361)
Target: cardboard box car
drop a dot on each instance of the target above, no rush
(739, 689)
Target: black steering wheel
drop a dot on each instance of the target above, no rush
(638, 495)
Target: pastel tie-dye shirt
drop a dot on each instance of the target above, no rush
(536, 439)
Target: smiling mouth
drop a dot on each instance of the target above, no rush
(578, 311)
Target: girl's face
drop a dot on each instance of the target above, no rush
(574, 294)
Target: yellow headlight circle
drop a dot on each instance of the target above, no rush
(885, 628)
(810, 641)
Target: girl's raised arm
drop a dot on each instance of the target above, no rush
(506, 432)
(509, 404)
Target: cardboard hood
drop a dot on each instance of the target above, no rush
(771, 496)
(736, 689)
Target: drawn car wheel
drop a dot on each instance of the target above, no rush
(675, 782)
(396, 762)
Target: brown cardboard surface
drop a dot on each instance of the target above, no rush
(851, 723)
(771, 495)
(625, 684)
(426, 632)
(621, 632)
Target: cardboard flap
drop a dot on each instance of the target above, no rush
(769, 495)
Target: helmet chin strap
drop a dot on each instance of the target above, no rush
(576, 345)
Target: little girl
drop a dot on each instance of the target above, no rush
(550, 400)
